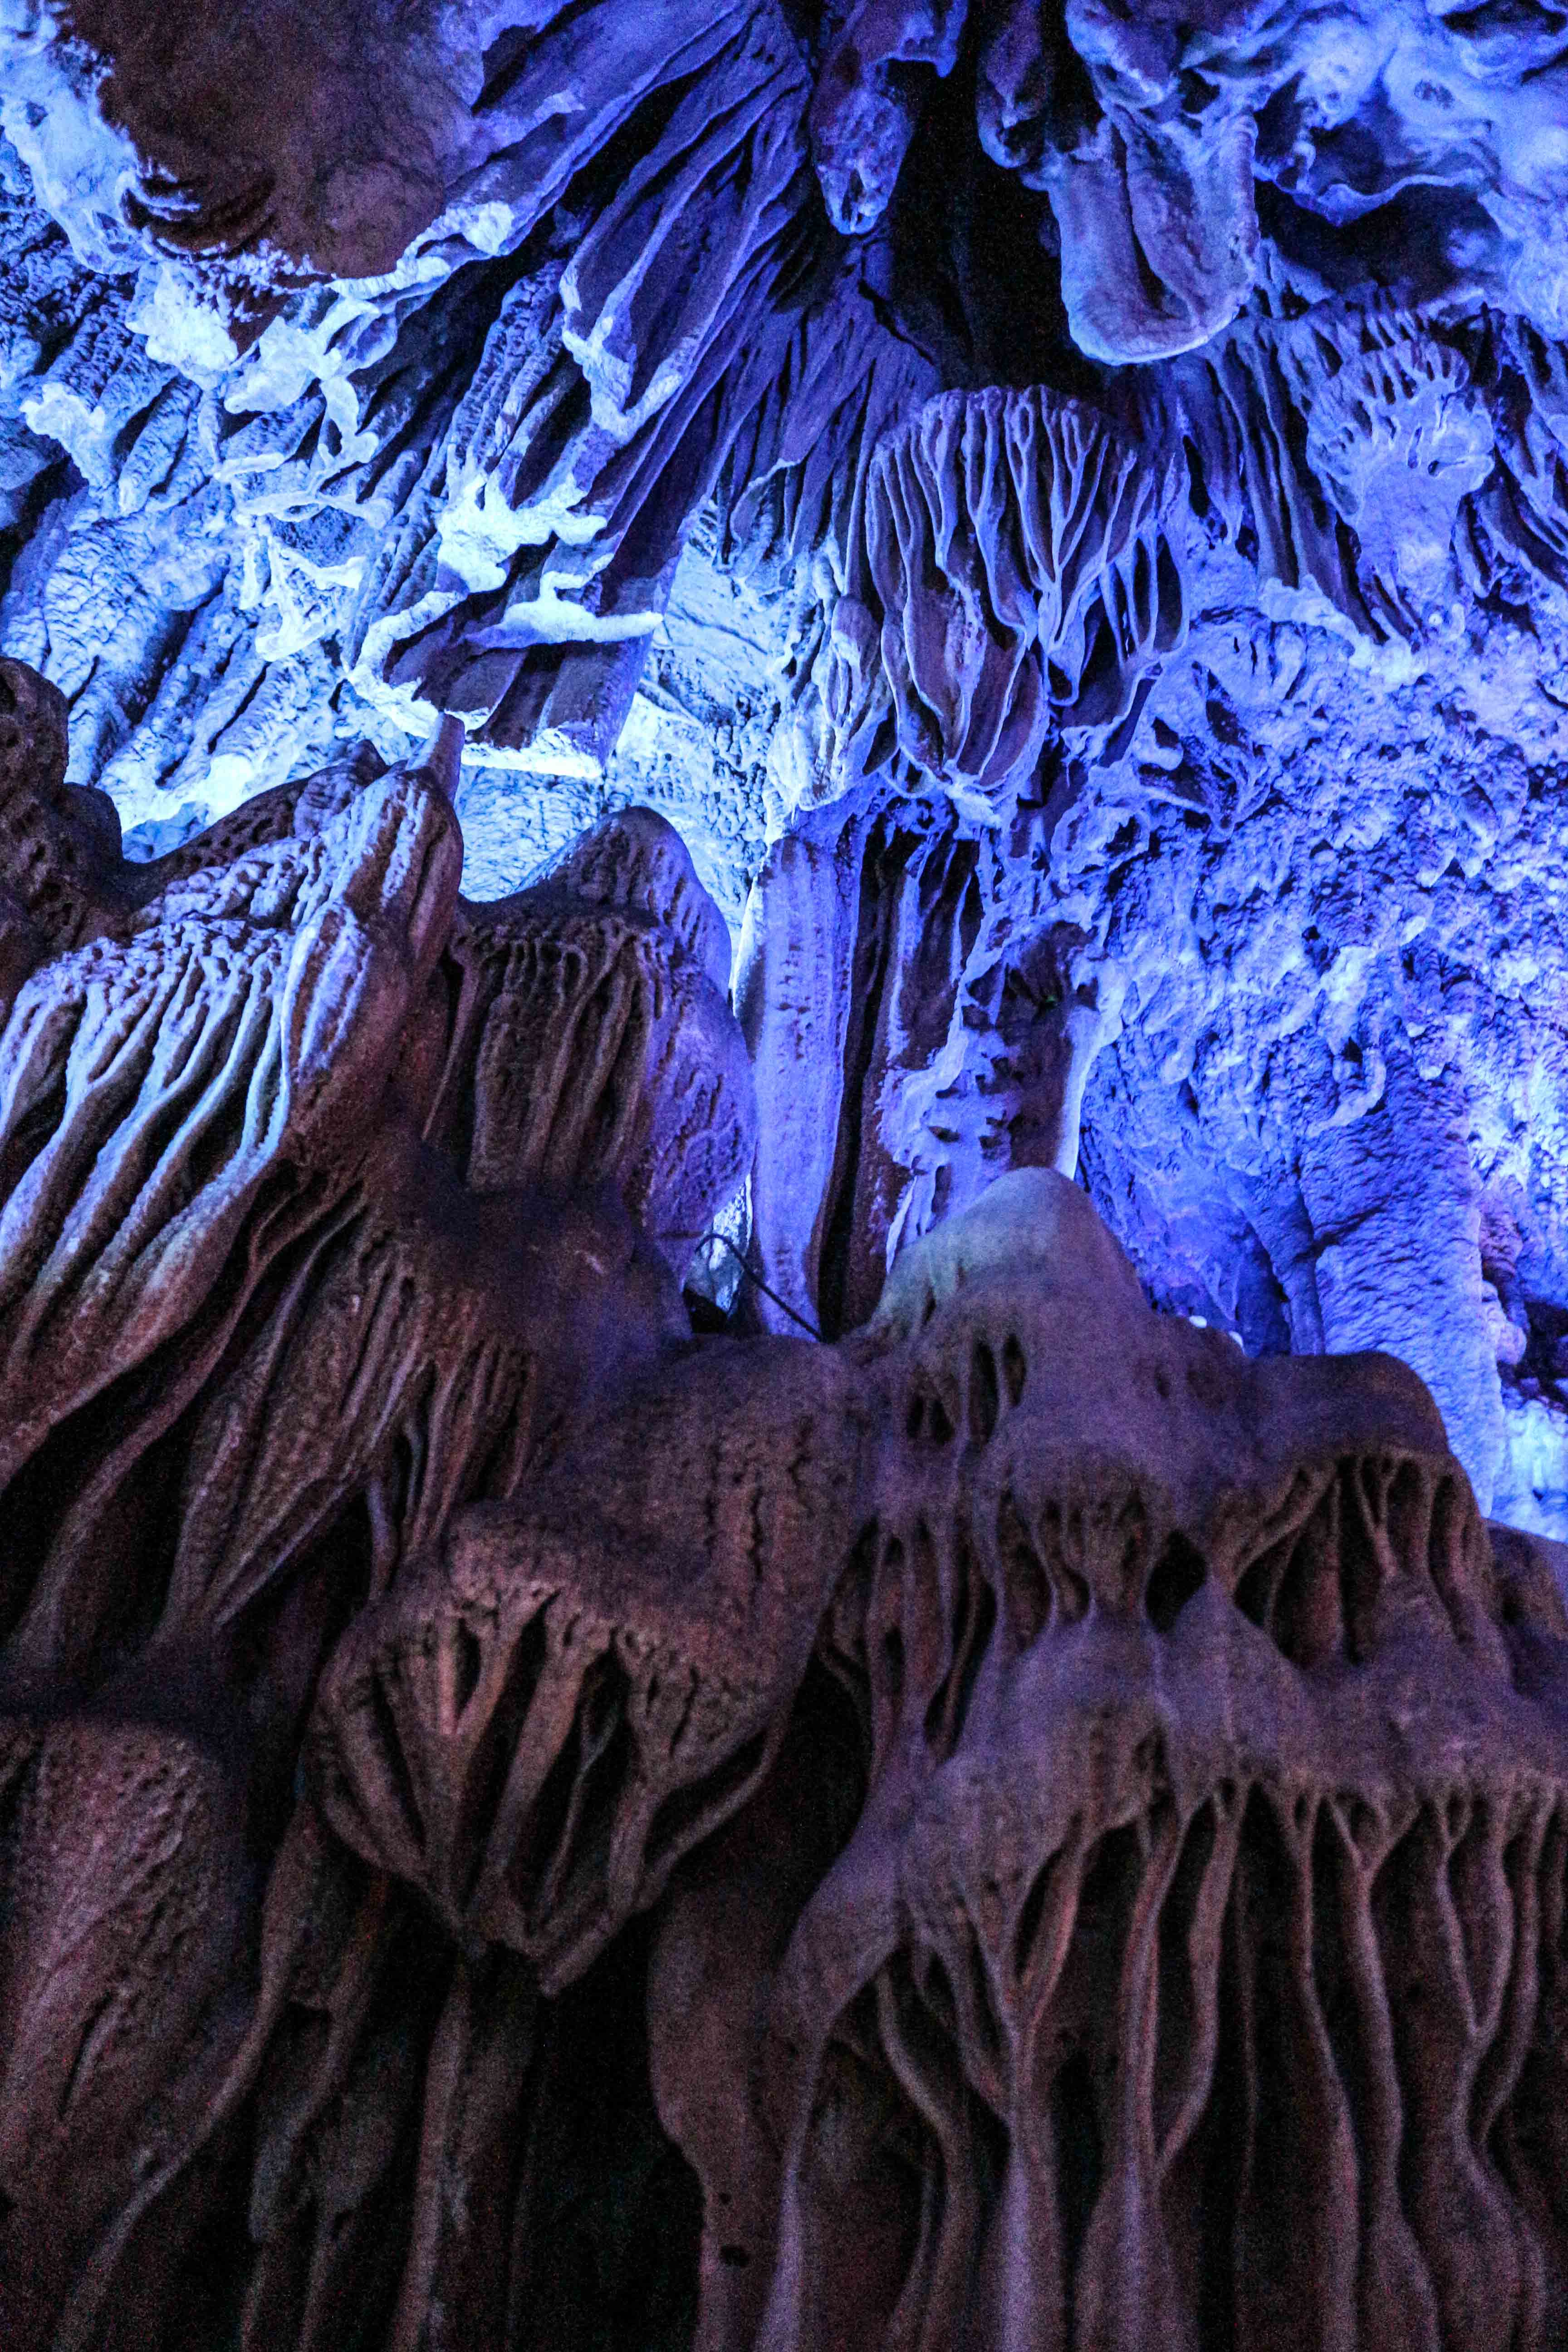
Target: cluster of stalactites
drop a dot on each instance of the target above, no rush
(463, 484)
(1007, 573)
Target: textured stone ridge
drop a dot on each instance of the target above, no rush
(1019, 1825)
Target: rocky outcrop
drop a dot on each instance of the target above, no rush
(263, 1141)
(1022, 1822)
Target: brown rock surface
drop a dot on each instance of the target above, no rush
(1049, 1832)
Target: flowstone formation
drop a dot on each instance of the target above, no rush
(526, 1826)
(783, 1200)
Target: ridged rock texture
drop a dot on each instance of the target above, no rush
(784, 1175)
(1081, 1810)
(1024, 1825)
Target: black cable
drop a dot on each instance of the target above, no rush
(748, 1275)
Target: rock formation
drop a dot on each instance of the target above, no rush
(783, 1201)
(1098, 1795)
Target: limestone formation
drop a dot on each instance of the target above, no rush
(784, 1175)
(1081, 1805)
(869, 963)
(1249, 1523)
(1010, 557)
(1151, 1989)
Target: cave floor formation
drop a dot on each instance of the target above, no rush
(783, 1176)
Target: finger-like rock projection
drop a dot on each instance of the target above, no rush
(1148, 162)
(1010, 567)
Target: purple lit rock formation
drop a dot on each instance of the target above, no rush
(783, 1176)
(1050, 1745)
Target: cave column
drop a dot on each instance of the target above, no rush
(1395, 1210)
